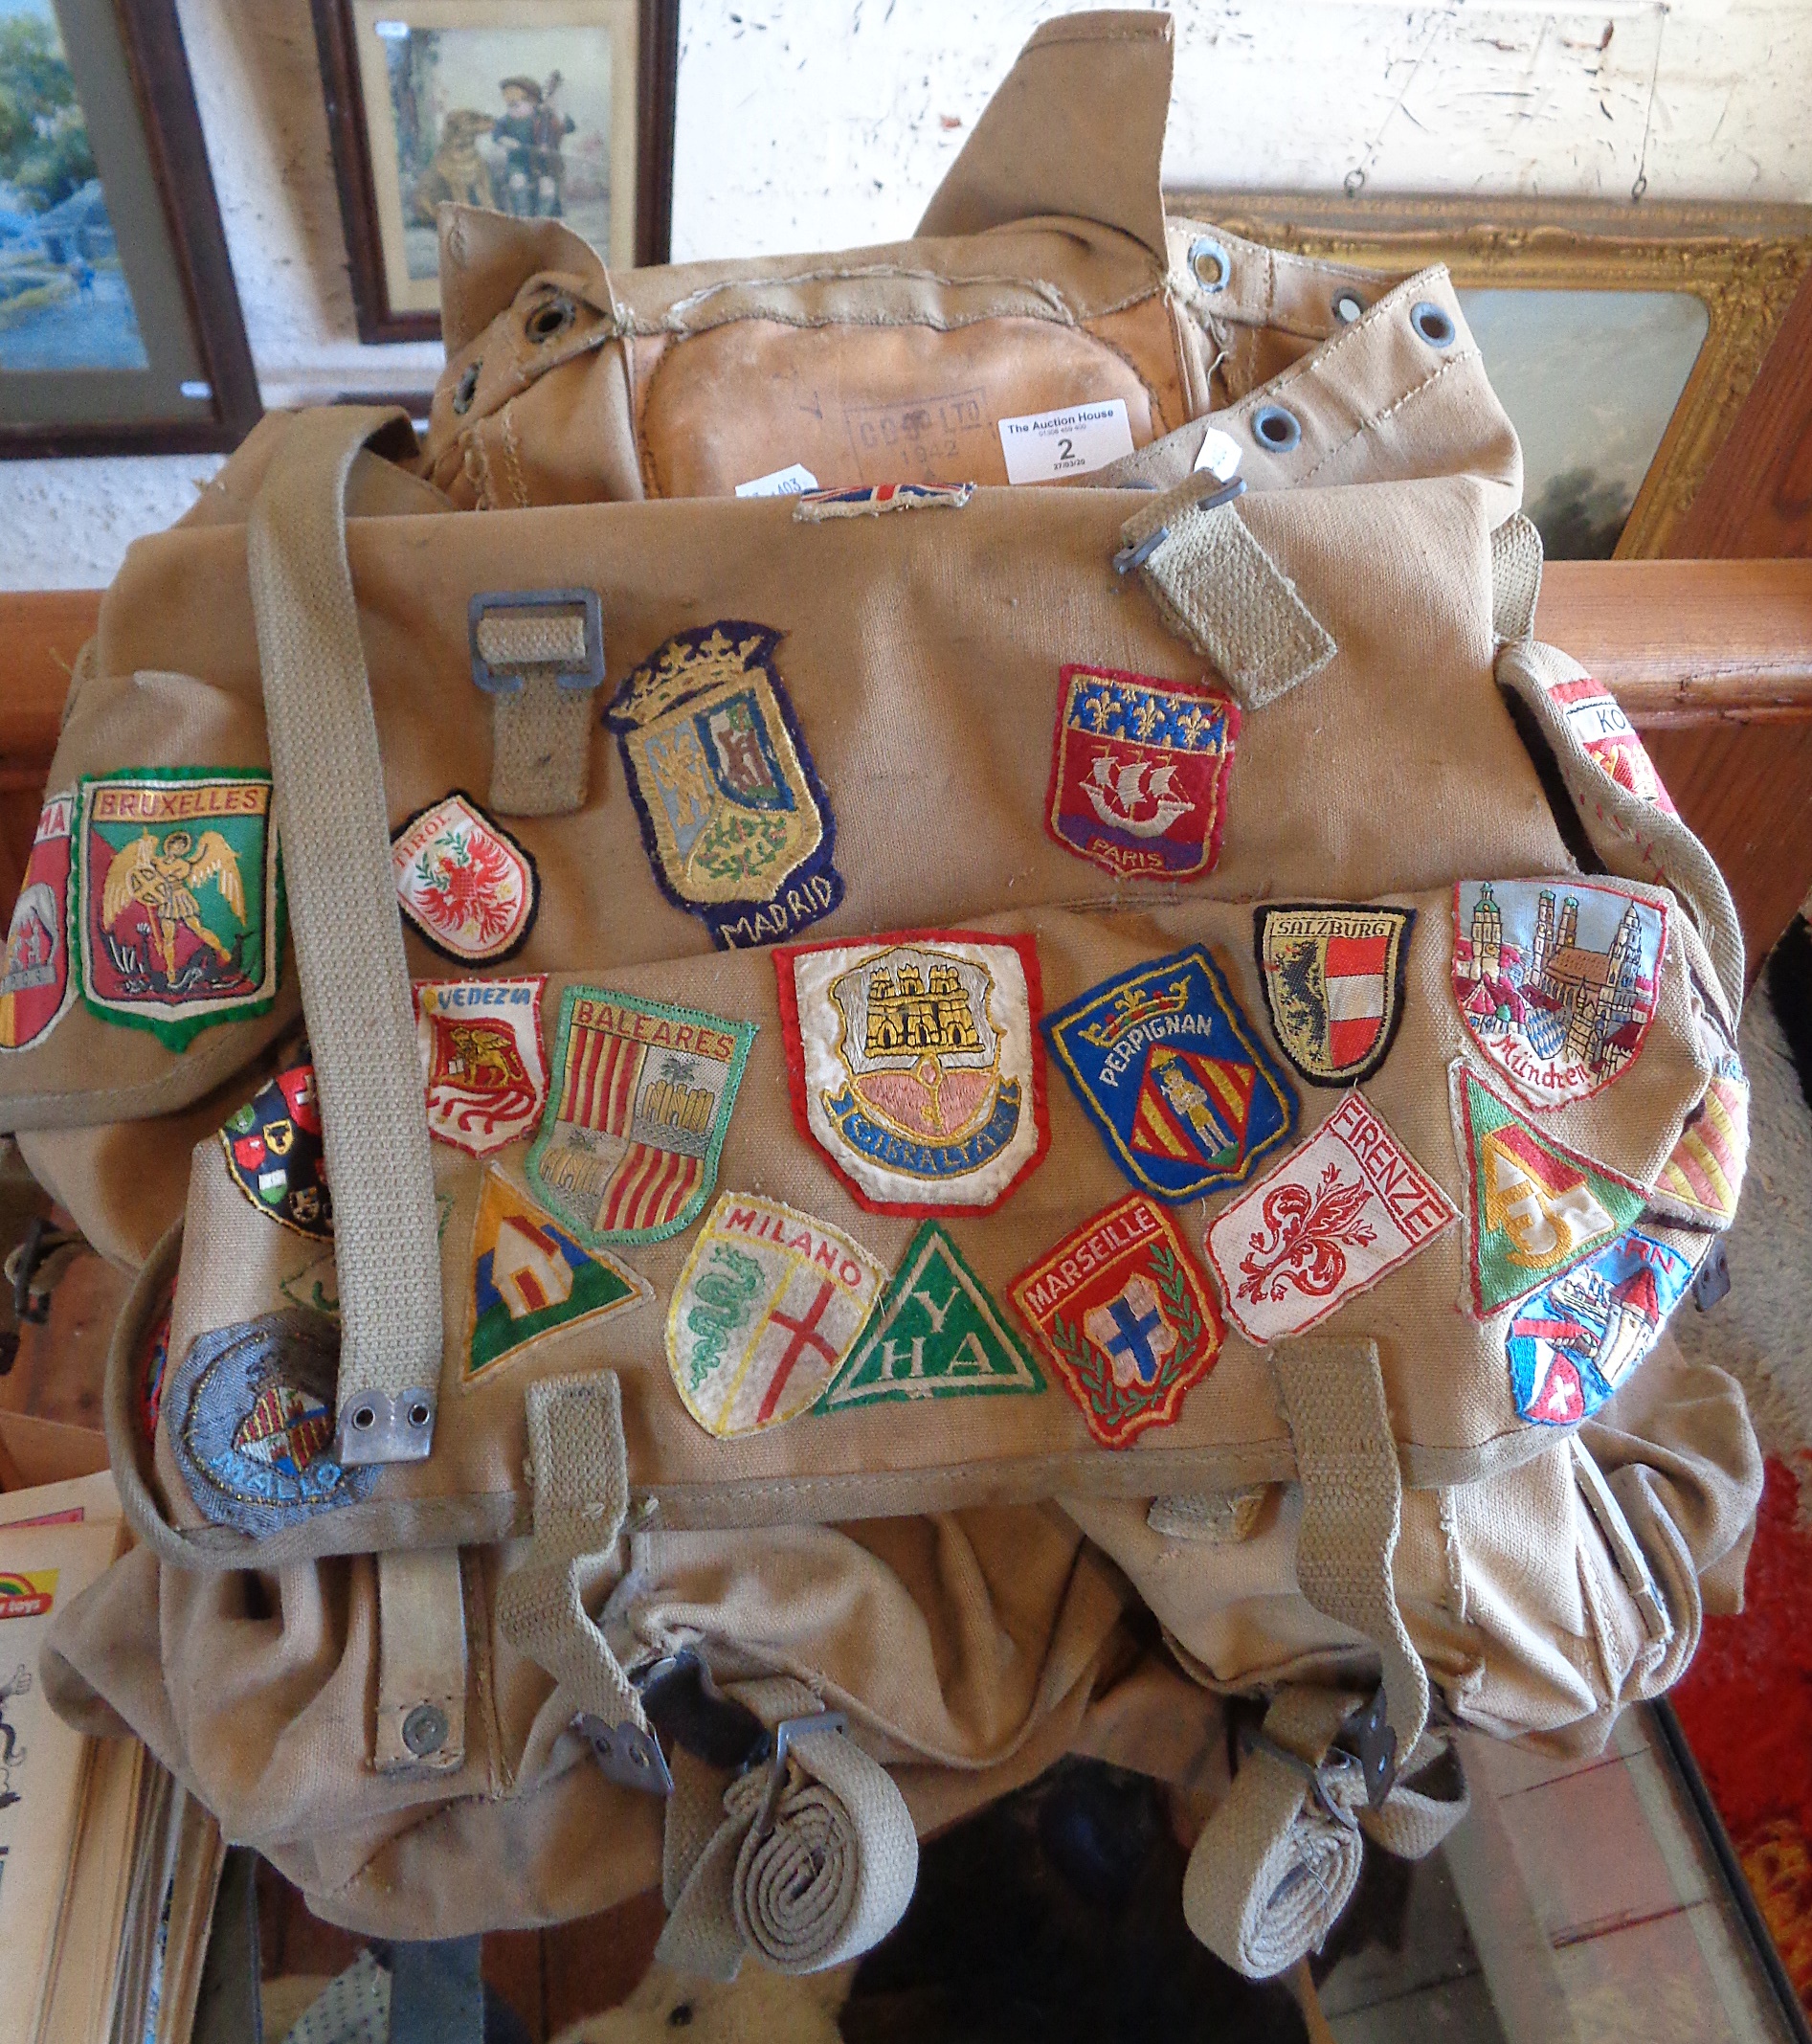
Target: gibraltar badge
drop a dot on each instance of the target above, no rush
(469, 888)
(274, 1155)
(915, 1064)
(738, 830)
(1125, 1316)
(1333, 979)
(36, 988)
(1174, 1076)
(1341, 1211)
(770, 1304)
(179, 907)
(637, 1111)
(1139, 772)
(1533, 1208)
(1557, 980)
(935, 1333)
(1596, 719)
(1575, 1342)
(481, 1052)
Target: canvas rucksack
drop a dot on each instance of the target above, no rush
(873, 958)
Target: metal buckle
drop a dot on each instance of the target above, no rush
(580, 677)
(1141, 550)
(784, 1734)
(689, 1710)
(1370, 1740)
(1333, 1767)
(629, 1756)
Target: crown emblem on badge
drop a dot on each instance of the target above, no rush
(1133, 1006)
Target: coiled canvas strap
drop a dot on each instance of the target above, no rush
(333, 828)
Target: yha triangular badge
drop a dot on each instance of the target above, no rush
(1535, 1208)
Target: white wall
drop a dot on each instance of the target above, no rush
(821, 123)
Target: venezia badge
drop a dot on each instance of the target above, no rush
(35, 986)
(469, 888)
(737, 827)
(480, 1053)
(1577, 1339)
(1333, 979)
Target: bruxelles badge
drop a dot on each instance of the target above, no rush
(1557, 980)
(35, 987)
(179, 905)
(915, 1064)
(738, 829)
(637, 1107)
(469, 888)
(1174, 1076)
(480, 1053)
(1139, 772)
(1333, 979)
(1572, 1344)
(1125, 1316)
(274, 1155)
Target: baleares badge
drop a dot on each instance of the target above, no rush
(469, 888)
(35, 987)
(1139, 772)
(480, 1051)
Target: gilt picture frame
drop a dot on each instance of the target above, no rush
(1622, 339)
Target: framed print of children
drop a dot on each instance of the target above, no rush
(531, 133)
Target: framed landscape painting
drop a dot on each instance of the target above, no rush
(120, 328)
(548, 109)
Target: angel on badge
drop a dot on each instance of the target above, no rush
(162, 877)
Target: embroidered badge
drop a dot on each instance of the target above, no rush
(250, 1419)
(1139, 775)
(35, 987)
(1557, 980)
(868, 499)
(935, 1333)
(1609, 738)
(274, 1155)
(1333, 979)
(480, 1051)
(1533, 1208)
(1575, 1342)
(1126, 1318)
(469, 888)
(1340, 1212)
(530, 1278)
(178, 900)
(1700, 1183)
(640, 1099)
(914, 1065)
(1174, 1076)
(738, 829)
(768, 1306)
(153, 1362)
(315, 1286)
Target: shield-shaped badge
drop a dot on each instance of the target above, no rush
(1334, 979)
(275, 1153)
(1597, 719)
(1575, 1342)
(35, 987)
(470, 889)
(481, 1052)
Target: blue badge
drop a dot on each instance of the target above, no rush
(250, 1417)
(1580, 1338)
(1175, 1077)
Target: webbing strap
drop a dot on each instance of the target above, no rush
(334, 832)
(437, 1996)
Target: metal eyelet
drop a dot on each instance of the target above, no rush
(466, 388)
(1276, 429)
(1210, 264)
(1432, 323)
(1347, 306)
(550, 319)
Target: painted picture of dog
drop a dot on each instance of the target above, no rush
(458, 173)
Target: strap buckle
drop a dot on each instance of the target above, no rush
(784, 1734)
(1139, 552)
(685, 1709)
(514, 633)
(1337, 1766)
(1364, 1743)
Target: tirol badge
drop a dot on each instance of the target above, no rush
(480, 1053)
(738, 829)
(1533, 1208)
(179, 905)
(770, 1304)
(1572, 1344)
(1596, 719)
(469, 888)
(637, 1111)
(35, 987)
(1557, 980)
(1125, 1316)
(249, 1415)
(1334, 979)
(1139, 773)
(1174, 1076)
(1340, 1212)
(274, 1155)
(915, 1064)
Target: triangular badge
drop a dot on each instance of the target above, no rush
(935, 1333)
(1533, 1208)
(530, 1278)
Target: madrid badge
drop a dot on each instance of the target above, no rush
(1333, 977)
(35, 986)
(481, 1052)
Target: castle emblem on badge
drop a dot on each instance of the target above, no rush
(1333, 977)
(1139, 775)
(915, 1066)
(1573, 1344)
(467, 885)
(738, 829)
(1557, 981)
(35, 987)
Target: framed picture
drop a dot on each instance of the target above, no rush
(1621, 340)
(120, 328)
(544, 108)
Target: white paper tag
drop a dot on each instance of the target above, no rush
(1219, 455)
(783, 483)
(1070, 442)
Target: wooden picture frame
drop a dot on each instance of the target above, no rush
(120, 324)
(1743, 264)
(368, 156)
